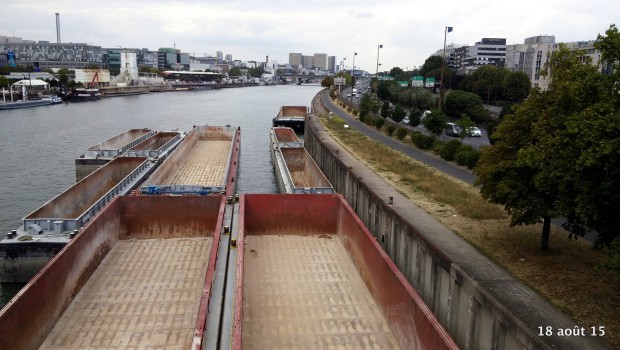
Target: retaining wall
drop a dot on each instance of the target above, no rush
(479, 303)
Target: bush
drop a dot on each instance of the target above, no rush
(422, 141)
(448, 150)
(401, 133)
(379, 122)
(355, 113)
(349, 109)
(391, 129)
(369, 120)
(467, 156)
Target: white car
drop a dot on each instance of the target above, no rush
(475, 132)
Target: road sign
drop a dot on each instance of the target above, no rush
(339, 81)
(417, 81)
(430, 82)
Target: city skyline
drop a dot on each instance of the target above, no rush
(409, 32)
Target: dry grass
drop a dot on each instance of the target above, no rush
(566, 275)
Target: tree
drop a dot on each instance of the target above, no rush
(327, 82)
(460, 102)
(385, 109)
(517, 86)
(256, 72)
(4, 81)
(558, 154)
(397, 73)
(234, 72)
(435, 122)
(466, 125)
(398, 114)
(414, 117)
(63, 75)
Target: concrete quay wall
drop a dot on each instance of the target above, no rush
(478, 303)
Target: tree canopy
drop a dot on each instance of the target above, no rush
(558, 154)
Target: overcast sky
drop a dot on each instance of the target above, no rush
(409, 30)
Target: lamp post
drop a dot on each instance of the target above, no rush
(353, 76)
(443, 61)
(380, 46)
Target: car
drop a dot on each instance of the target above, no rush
(475, 132)
(452, 129)
(405, 121)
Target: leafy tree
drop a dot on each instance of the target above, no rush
(488, 82)
(397, 73)
(63, 75)
(558, 154)
(517, 86)
(327, 82)
(466, 125)
(385, 109)
(4, 81)
(432, 68)
(256, 72)
(234, 72)
(435, 122)
(398, 114)
(460, 102)
(415, 117)
(388, 90)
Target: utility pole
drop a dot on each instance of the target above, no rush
(443, 62)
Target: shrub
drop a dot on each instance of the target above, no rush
(401, 133)
(422, 141)
(467, 156)
(449, 149)
(369, 120)
(355, 113)
(391, 129)
(379, 122)
(349, 109)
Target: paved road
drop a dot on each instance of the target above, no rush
(437, 163)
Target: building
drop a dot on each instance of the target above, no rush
(331, 64)
(229, 58)
(488, 51)
(319, 61)
(44, 55)
(220, 56)
(294, 59)
(307, 61)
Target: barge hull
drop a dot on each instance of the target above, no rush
(158, 299)
(311, 299)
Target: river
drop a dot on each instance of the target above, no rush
(38, 146)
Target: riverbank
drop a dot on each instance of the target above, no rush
(578, 289)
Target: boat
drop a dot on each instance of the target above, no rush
(30, 103)
(83, 94)
(292, 117)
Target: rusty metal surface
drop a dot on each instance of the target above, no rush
(120, 140)
(285, 135)
(79, 197)
(292, 111)
(233, 164)
(303, 170)
(31, 315)
(155, 142)
(409, 320)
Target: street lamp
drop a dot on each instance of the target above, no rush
(353, 76)
(380, 46)
(443, 61)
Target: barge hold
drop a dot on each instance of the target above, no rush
(292, 117)
(204, 163)
(296, 171)
(138, 276)
(319, 280)
(144, 274)
(105, 151)
(46, 230)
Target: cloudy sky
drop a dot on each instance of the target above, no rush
(409, 30)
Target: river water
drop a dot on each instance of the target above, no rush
(38, 146)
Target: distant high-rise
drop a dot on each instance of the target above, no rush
(294, 59)
(229, 58)
(320, 61)
(220, 56)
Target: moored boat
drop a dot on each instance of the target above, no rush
(83, 94)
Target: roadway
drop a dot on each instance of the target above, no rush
(426, 158)
(443, 166)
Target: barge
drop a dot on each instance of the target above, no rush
(291, 116)
(296, 171)
(205, 162)
(202, 272)
(46, 230)
(134, 142)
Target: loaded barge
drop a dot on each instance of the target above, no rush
(291, 116)
(203, 272)
(205, 163)
(296, 171)
(129, 158)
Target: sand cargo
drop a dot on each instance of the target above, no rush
(295, 170)
(46, 230)
(205, 162)
(151, 272)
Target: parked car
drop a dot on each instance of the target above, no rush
(452, 129)
(475, 132)
(405, 120)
